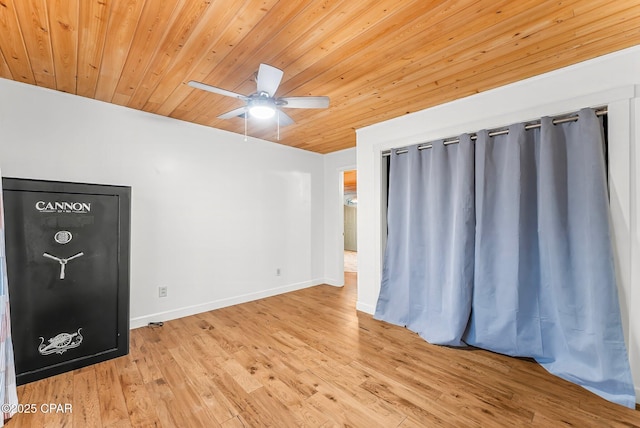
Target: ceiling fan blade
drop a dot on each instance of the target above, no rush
(269, 79)
(233, 113)
(305, 102)
(216, 90)
(284, 119)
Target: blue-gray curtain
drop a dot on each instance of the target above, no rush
(544, 282)
(507, 255)
(428, 268)
(543, 273)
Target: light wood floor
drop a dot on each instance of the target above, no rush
(308, 358)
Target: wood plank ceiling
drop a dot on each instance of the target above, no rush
(375, 59)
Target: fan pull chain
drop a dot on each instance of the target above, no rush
(278, 114)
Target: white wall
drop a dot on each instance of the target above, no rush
(334, 166)
(610, 80)
(213, 217)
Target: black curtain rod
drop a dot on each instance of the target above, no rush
(600, 112)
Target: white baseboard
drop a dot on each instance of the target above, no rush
(217, 304)
(334, 282)
(366, 308)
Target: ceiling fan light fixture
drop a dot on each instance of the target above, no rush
(262, 111)
(262, 108)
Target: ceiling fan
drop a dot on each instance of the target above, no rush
(263, 103)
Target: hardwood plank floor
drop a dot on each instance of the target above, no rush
(308, 358)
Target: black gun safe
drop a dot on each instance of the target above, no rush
(67, 249)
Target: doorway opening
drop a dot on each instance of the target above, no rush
(350, 208)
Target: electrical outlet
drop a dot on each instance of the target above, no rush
(162, 291)
(277, 271)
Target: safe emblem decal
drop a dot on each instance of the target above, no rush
(60, 343)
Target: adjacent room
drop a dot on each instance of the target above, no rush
(274, 213)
